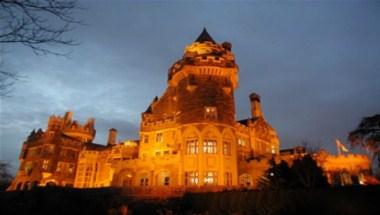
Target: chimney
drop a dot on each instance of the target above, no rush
(255, 105)
(112, 136)
(68, 116)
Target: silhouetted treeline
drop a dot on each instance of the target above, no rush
(355, 200)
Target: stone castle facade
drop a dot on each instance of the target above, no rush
(189, 137)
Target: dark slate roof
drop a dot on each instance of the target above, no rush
(245, 121)
(95, 146)
(204, 36)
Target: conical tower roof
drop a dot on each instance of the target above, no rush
(204, 36)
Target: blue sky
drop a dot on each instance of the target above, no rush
(315, 64)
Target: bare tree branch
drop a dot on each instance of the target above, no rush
(40, 25)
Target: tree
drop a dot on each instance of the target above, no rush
(278, 176)
(308, 174)
(367, 135)
(5, 175)
(304, 173)
(36, 24)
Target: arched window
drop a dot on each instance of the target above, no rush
(209, 146)
(192, 146)
(144, 180)
(226, 147)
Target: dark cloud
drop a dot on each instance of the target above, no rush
(315, 64)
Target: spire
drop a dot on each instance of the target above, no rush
(204, 36)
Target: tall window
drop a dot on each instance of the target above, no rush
(210, 113)
(210, 178)
(209, 147)
(159, 137)
(146, 139)
(71, 168)
(166, 181)
(59, 167)
(192, 146)
(191, 178)
(45, 164)
(241, 142)
(226, 148)
(273, 150)
(228, 178)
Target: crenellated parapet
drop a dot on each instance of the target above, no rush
(205, 57)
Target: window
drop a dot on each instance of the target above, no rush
(226, 148)
(166, 153)
(144, 182)
(209, 146)
(241, 142)
(210, 113)
(167, 181)
(71, 168)
(158, 153)
(28, 168)
(159, 137)
(192, 146)
(210, 178)
(146, 139)
(191, 178)
(273, 149)
(59, 167)
(45, 164)
(228, 178)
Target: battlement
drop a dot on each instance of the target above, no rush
(72, 128)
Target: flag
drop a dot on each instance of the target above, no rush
(341, 146)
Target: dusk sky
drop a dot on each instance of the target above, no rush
(316, 65)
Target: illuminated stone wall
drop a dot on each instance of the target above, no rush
(50, 157)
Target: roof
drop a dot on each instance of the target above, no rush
(204, 36)
(95, 146)
(245, 121)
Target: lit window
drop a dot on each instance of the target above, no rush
(167, 181)
(209, 146)
(210, 113)
(241, 142)
(191, 178)
(210, 178)
(59, 167)
(146, 139)
(71, 168)
(45, 164)
(226, 148)
(192, 146)
(273, 150)
(159, 137)
(228, 178)
(28, 168)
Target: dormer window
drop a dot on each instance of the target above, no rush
(210, 113)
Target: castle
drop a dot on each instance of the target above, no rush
(189, 137)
